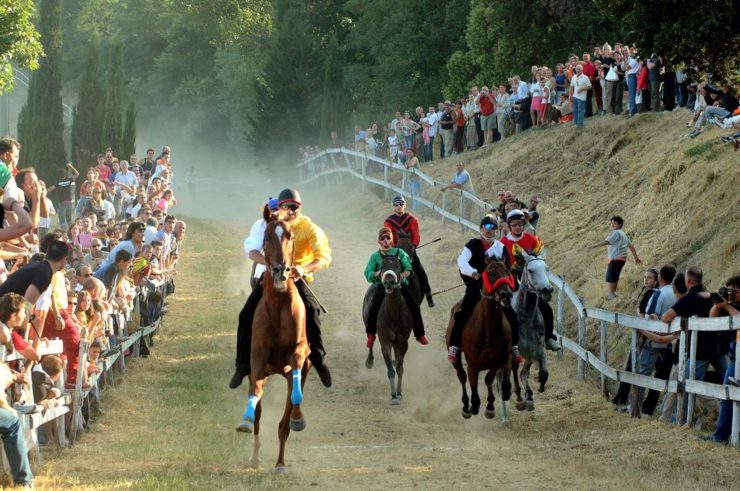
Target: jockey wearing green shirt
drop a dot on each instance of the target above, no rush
(372, 274)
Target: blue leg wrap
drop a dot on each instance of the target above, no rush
(296, 395)
(251, 406)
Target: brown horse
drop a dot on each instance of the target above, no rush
(279, 343)
(394, 324)
(486, 342)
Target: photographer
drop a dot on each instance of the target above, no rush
(726, 303)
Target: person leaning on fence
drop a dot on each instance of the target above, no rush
(402, 222)
(372, 274)
(12, 432)
(617, 244)
(727, 303)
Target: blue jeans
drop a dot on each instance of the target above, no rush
(409, 139)
(724, 421)
(720, 364)
(64, 212)
(414, 187)
(632, 89)
(579, 111)
(646, 361)
(15, 447)
(428, 150)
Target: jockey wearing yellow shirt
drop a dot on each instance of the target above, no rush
(312, 253)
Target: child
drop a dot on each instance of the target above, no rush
(617, 244)
(393, 145)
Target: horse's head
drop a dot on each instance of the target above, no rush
(278, 251)
(404, 243)
(535, 276)
(390, 273)
(498, 282)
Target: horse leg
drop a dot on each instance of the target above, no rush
(283, 433)
(503, 380)
(463, 378)
(254, 460)
(490, 408)
(518, 389)
(400, 355)
(528, 394)
(386, 348)
(473, 379)
(370, 358)
(255, 394)
(542, 374)
(295, 388)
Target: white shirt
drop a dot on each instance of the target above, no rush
(463, 260)
(150, 234)
(580, 81)
(255, 242)
(432, 120)
(129, 179)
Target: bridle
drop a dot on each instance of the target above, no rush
(526, 283)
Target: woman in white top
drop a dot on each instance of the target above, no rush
(503, 106)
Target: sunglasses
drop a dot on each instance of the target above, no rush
(490, 226)
(385, 237)
(87, 275)
(290, 206)
(516, 224)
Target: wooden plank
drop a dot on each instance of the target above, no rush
(714, 323)
(559, 314)
(692, 375)
(54, 347)
(603, 353)
(581, 369)
(682, 360)
(633, 322)
(34, 420)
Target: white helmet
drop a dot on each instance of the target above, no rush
(515, 215)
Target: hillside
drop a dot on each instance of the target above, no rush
(678, 196)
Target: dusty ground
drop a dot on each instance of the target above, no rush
(170, 424)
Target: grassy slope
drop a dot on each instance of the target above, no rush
(678, 198)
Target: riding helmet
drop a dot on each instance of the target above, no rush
(488, 219)
(515, 215)
(289, 196)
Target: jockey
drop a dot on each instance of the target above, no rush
(312, 253)
(407, 223)
(472, 263)
(517, 241)
(372, 274)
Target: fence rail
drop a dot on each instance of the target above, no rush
(360, 165)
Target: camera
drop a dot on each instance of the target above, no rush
(725, 292)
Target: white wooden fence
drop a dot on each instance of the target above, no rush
(392, 177)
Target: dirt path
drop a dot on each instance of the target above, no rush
(170, 425)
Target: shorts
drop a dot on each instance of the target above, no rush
(488, 122)
(613, 270)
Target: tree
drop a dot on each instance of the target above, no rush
(41, 124)
(112, 126)
(88, 113)
(19, 43)
(128, 140)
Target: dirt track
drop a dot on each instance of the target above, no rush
(171, 424)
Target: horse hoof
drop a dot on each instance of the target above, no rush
(490, 414)
(253, 463)
(541, 389)
(465, 414)
(474, 410)
(506, 396)
(280, 469)
(245, 426)
(369, 363)
(530, 406)
(520, 405)
(395, 401)
(298, 424)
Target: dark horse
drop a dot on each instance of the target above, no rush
(486, 342)
(394, 324)
(404, 243)
(279, 343)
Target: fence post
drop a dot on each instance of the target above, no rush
(692, 372)
(462, 209)
(602, 354)
(735, 435)
(682, 354)
(385, 179)
(634, 390)
(444, 206)
(561, 305)
(581, 370)
(364, 174)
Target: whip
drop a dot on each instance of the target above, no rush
(452, 287)
(323, 309)
(430, 242)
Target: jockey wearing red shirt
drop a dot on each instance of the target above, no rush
(406, 224)
(516, 242)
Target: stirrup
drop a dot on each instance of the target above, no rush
(452, 354)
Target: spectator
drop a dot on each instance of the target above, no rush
(580, 85)
(617, 244)
(471, 136)
(32, 280)
(487, 103)
(10, 428)
(461, 180)
(534, 215)
(502, 107)
(134, 241)
(64, 193)
(447, 125)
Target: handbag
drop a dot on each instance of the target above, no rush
(612, 76)
(638, 97)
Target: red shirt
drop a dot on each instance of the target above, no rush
(406, 223)
(70, 337)
(589, 70)
(18, 342)
(486, 106)
(528, 243)
(103, 173)
(642, 79)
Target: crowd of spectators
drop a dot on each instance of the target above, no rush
(72, 268)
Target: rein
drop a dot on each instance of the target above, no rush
(526, 287)
(489, 287)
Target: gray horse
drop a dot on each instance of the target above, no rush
(535, 287)
(394, 324)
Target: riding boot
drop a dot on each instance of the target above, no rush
(374, 309)
(417, 321)
(313, 333)
(244, 337)
(423, 279)
(514, 327)
(551, 342)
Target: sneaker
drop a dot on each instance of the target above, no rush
(611, 296)
(430, 300)
(370, 340)
(552, 345)
(716, 120)
(452, 353)
(236, 379)
(518, 358)
(324, 374)
(422, 339)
